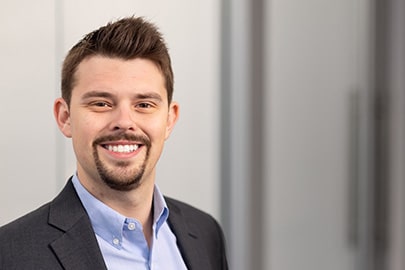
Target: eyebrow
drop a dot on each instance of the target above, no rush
(149, 95)
(92, 94)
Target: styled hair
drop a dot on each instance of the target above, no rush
(127, 39)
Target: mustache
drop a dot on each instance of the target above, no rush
(123, 136)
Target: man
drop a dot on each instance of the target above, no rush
(116, 106)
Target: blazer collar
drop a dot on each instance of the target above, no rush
(188, 239)
(77, 248)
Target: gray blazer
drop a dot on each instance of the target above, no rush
(59, 235)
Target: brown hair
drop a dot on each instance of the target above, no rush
(127, 38)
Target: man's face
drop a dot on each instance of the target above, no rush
(118, 120)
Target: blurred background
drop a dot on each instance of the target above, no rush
(291, 131)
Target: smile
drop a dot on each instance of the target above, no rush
(127, 148)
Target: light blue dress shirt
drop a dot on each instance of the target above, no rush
(121, 238)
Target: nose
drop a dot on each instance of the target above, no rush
(123, 119)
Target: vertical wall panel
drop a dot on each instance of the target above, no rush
(316, 58)
(390, 42)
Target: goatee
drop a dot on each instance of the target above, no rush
(121, 178)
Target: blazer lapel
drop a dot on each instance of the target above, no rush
(77, 248)
(188, 240)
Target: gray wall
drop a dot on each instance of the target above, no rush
(319, 63)
(297, 142)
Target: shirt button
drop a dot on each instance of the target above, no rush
(131, 226)
(116, 241)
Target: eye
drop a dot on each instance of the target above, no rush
(101, 104)
(144, 105)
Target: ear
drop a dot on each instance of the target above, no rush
(172, 117)
(62, 116)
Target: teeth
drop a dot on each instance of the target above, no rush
(128, 148)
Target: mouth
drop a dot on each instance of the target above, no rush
(122, 145)
(121, 148)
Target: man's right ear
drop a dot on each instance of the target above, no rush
(62, 116)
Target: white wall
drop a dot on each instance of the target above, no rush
(27, 68)
(36, 160)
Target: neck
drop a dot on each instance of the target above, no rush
(136, 203)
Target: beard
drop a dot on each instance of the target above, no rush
(122, 177)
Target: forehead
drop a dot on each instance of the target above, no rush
(115, 74)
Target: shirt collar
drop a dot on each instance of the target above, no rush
(108, 223)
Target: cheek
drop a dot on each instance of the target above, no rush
(158, 129)
(83, 129)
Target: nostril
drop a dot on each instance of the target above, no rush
(123, 119)
(127, 127)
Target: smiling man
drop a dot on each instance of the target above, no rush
(116, 106)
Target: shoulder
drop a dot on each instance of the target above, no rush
(26, 223)
(193, 219)
(39, 219)
(26, 241)
(206, 234)
(26, 238)
(188, 212)
(32, 229)
(176, 205)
